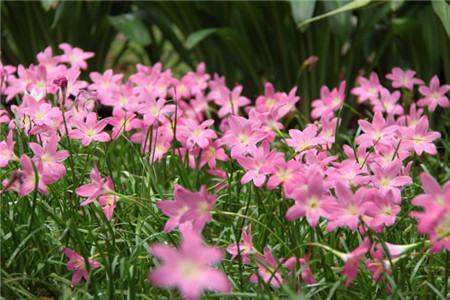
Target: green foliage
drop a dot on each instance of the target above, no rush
(248, 42)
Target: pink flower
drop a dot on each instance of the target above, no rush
(93, 189)
(7, 150)
(77, 265)
(24, 180)
(283, 173)
(51, 159)
(387, 178)
(90, 131)
(74, 56)
(378, 266)
(381, 209)
(434, 95)
(404, 79)
(4, 116)
(189, 268)
(376, 132)
(368, 89)
(154, 110)
(346, 208)
(191, 134)
(121, 121)
(270, 99)
(268, 268)
(244, 248)
(242, 135)
(388, 103)
(41, 113)
(349, 173)
(101, 189)
(419, 139)
(108, 200)
(352, 259)
(231, 101)
(105, 84)
(309, 201)
(329, 102)
(188, 206)
(259, 164)
(304, 140)
(293, 264)
(211, 154)
(435, 217)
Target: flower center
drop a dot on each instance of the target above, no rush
(189, 269)
(243, 139)
(385, 182)
(313, 202)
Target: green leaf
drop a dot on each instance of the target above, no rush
(442, 10)
(302, 10)
(395, 4)
(340, 23)
(196, 37)
(132, 27)
(356, 4)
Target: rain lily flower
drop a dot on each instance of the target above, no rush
(376, 132)
(154, 110)
(329, 102)
(269, 100)
(191, 134)
(388, 103)
(368, 89)
(242, 135)
(419, 139)
(346, 209)
(74, 56)
(24, 181)
(244, 248)
(121, 121)
(188, 206)
(212, 153)
(304, 140)
(105, 84)
(7, 150)
(51, 159)
(403, 79)
(77, 265)
(267, 270)
(230, 103)
(259, 164)
(352, 260)
(378, 265)
(381, 209)
(108, 200)
(306, 275)
(189, 268)
(434, 220)
(90, 131)
(387, 178)
(434, 95)
(349, 173)
(93, 189)
(100, 189)
(309, 201)
(4, 117)
(283, 173)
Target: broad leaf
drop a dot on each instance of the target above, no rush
(302, 10)
(196, 37)
(132, 27)
(442, 10)
(356, 4)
